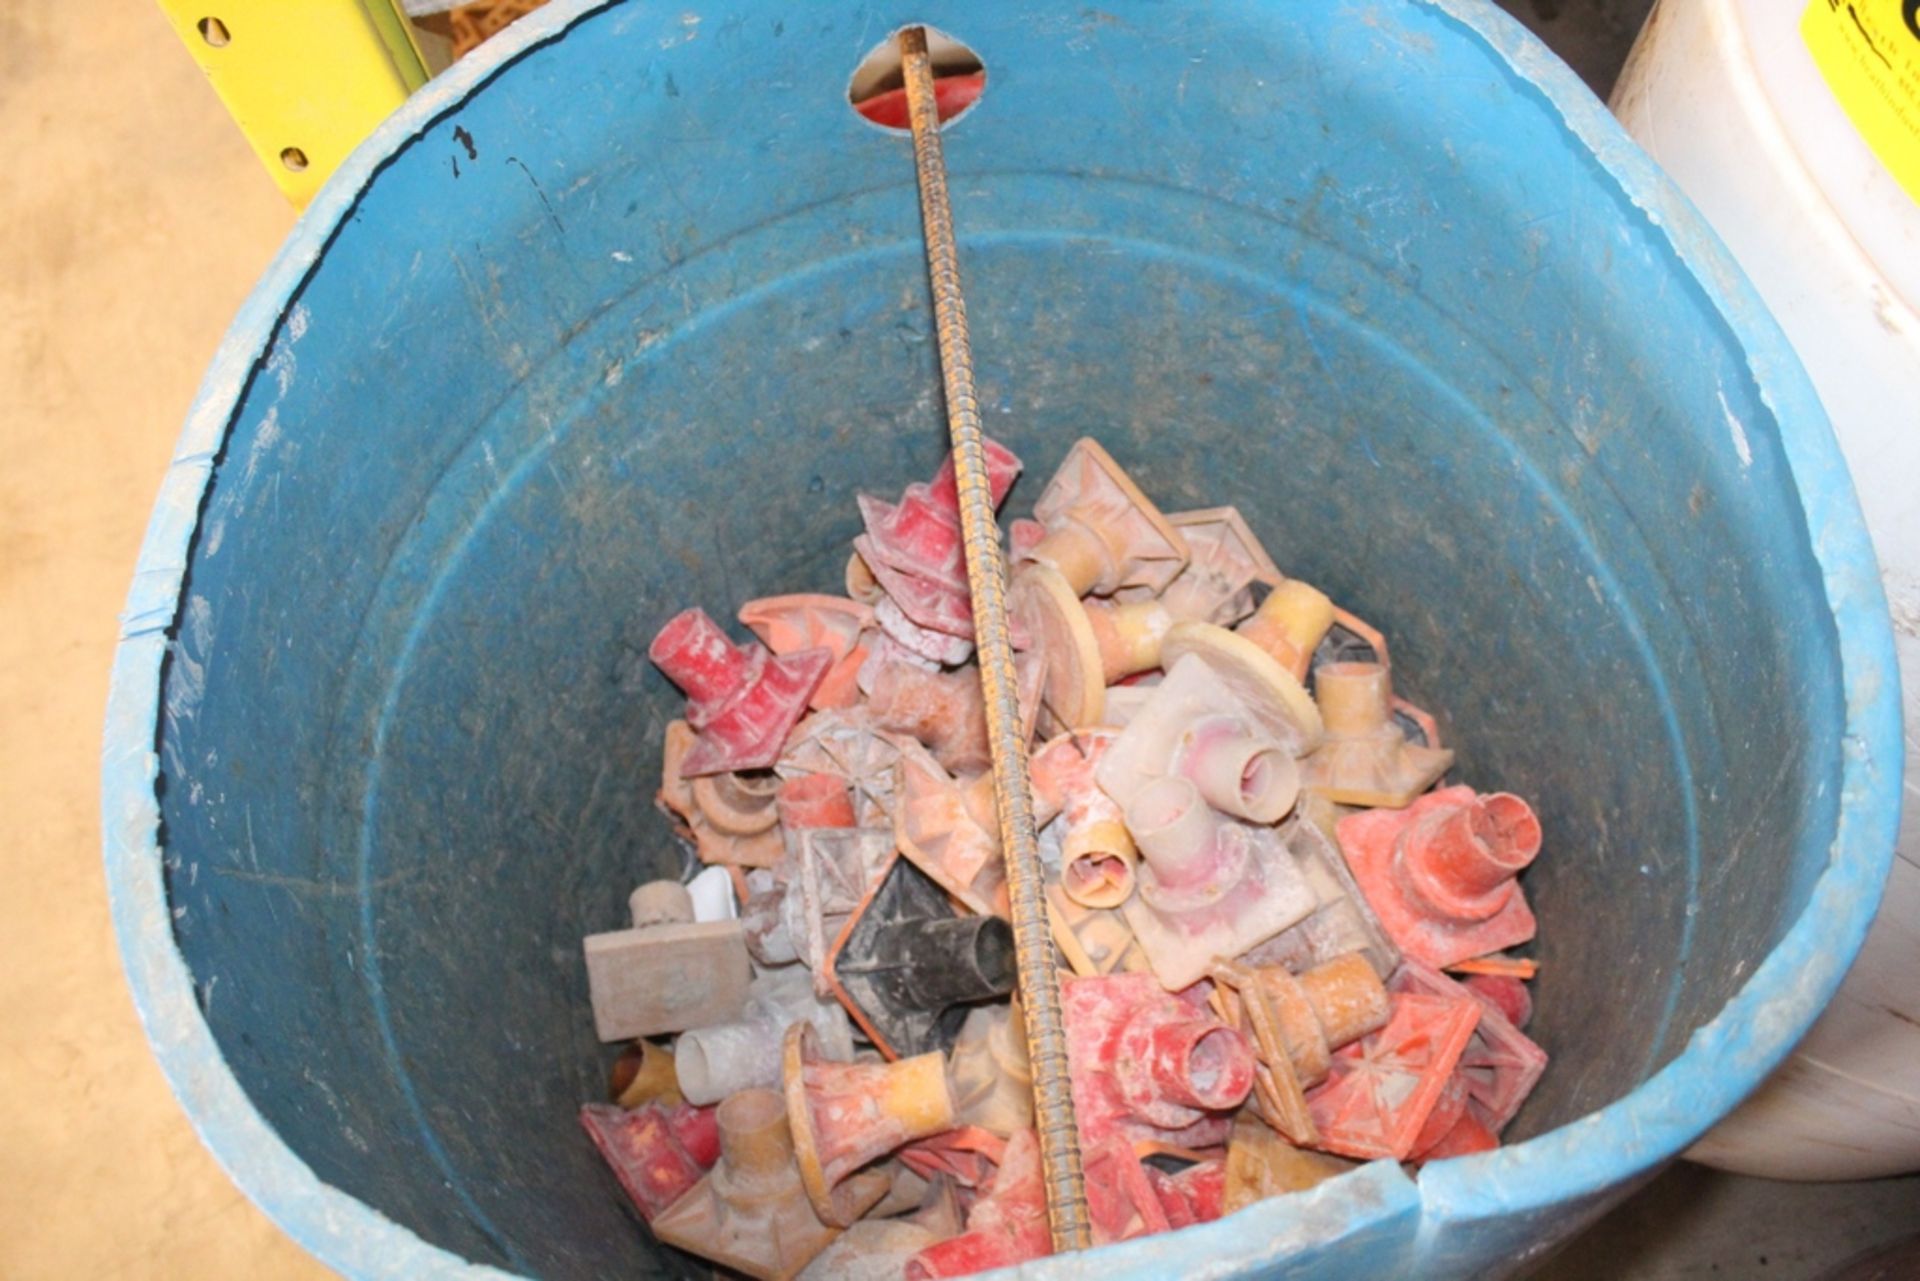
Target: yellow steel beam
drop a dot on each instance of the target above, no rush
(305, 80)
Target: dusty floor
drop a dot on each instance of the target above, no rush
(1592, 36)
(136, 222)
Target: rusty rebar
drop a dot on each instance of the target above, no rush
(987, 582)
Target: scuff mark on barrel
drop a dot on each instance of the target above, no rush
(1737, 431)
(558, 226)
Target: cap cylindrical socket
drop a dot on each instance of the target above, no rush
(1077, 552)
(755, 1143)
(1177, 833)
(697, 656)
(1514, 826)
(1304, 1039)
(1355, 698)
(1192, 1061)
(1239, 773)
(854, 1112)
(1128, 635)
(1289, 623)
(1347, 997)
(714, 1063)
(644, 1073)
(1460, 863)
(660, 903)
(737, 804)
(1096, 863)
(943, 963)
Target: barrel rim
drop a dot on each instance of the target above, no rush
(1579, 1162)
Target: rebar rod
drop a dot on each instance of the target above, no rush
(987, 583)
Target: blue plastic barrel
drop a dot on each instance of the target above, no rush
(617, 316)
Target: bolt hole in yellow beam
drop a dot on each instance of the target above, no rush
(305, 82)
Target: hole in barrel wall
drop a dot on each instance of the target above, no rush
(878, 88)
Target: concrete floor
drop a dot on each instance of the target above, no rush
(1592, 36)
(136, 222)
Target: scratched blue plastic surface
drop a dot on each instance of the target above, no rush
(617, 317)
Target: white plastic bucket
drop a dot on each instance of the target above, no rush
(1729, 98)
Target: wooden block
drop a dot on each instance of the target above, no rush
(667, 978)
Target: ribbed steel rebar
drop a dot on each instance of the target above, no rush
(987, 580)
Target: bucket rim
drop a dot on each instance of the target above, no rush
(1723, 1061)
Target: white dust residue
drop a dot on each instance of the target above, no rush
(1738, 432)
